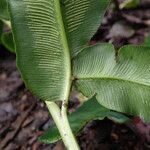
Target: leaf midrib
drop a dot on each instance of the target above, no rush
(109, 78)
(66, 50)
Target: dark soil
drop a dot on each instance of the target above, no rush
(23, 118)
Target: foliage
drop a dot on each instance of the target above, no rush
(123, 85)
(53, 54)
(90, 110)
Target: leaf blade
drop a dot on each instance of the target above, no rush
(82, 19)
(41, 47)
(121, 86)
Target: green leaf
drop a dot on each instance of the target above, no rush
(90, 110)
(7, 41)
(122, 86)
(41, 46)
(129, 4)
(43, 54)
(82, 19)
(4, 10)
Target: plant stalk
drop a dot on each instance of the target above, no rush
(62, 123)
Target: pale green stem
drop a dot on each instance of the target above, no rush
(62, 123)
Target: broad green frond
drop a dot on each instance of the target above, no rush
(43, 54)
(82, 19)
(41, 47)
(123, 86)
